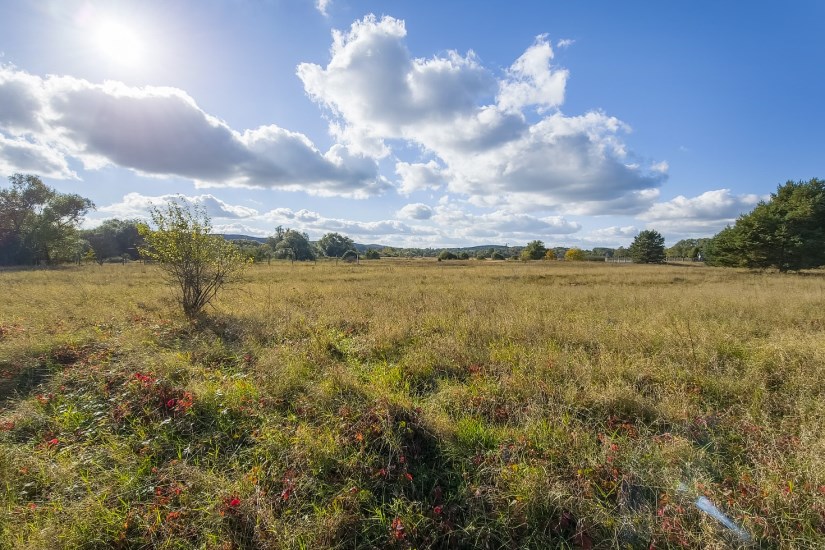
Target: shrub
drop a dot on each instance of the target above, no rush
(197, 263)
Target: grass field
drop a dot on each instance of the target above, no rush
(413, 404)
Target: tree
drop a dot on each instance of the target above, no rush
(333, 245)
(194, 261)
(496, 255)
(725, 249)
(648, 247)
(688, 248)
(575, 255)
(447, 255)
(787, 232)
(372, 254)
(253, 250)
(114, 238)
(534, 250)
(38, 223)
(291, 245)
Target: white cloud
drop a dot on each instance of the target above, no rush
(704, 214)
(135, 205)
(418, 176)
(240, 229)
(20, 155)
(565, 43)
(378, 91)
(472, 122)
(613, 233)
(415, 211)
(322, 6)
(163, 132)
(316, 224)
(457, 224)
(532, 81)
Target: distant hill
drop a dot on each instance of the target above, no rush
(234, 237)
(231, 237)
(428, 251)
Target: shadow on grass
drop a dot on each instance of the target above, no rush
(21, 381)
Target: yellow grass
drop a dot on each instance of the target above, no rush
(532, 404)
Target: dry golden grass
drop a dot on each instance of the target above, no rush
(414, 404)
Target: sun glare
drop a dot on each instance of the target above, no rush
(120, 43)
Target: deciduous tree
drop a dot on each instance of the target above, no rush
(535, 250)
(37, 222)
(575, 255)
(333, 245)
(289, 244)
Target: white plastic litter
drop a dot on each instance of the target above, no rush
(710, 509)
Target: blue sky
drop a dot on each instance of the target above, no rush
(418, 123)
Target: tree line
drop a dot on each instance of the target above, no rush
(39, 225)
(787, 232)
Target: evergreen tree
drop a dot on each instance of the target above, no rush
(648, 247)
(787, 232)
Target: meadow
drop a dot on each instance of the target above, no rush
(414, 404)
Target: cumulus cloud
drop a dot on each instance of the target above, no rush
(377, 90)
(613, 234)
(20, 155)
(162, 132)
(473, 122)
(418, 176)
(565, 43)
(316, 224)
(135, 205)
(415, 211)
(704, 214)
(532, 81)
(240, 229)
(458, 224)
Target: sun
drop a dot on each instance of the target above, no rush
(119, 43)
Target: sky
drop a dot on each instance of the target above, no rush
(418, 123)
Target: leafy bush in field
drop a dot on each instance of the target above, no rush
(447, 255)
(372, 254)
(575, 255)
(194, 261)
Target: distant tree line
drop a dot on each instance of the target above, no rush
(787, 232)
